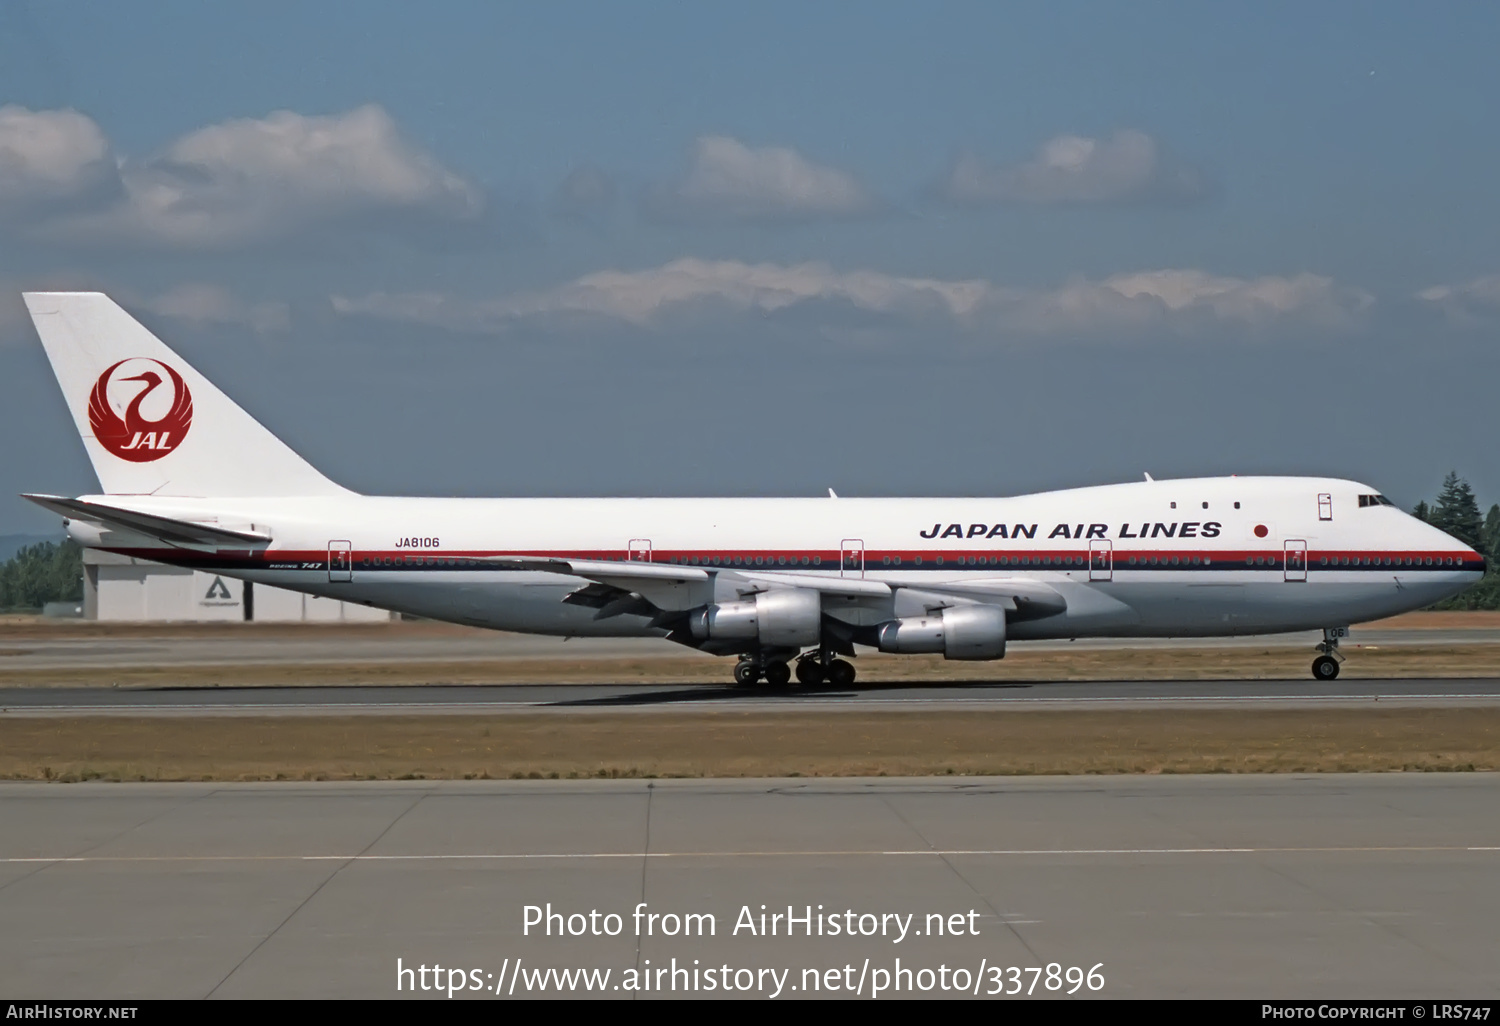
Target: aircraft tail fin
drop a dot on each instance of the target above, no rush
(150, 422)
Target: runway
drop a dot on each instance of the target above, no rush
(563, 698)
(1294, 887)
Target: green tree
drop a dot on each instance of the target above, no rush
(1457, 512)
(1491, 536)
(43, 573)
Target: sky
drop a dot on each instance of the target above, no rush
(768, 249)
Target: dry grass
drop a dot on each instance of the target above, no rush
(24, 626)
(738, 744)
(1238, 663)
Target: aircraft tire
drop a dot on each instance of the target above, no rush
(778, 675)
(1325, 668)
(841, 673)
(809, 673)
(746, 673)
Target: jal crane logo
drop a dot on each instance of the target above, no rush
(132, 436)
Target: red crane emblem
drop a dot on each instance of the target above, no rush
(133, 437)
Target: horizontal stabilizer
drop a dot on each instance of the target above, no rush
(173, 532)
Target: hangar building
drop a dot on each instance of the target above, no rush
(123, 588)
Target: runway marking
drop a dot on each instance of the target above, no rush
(923, 852)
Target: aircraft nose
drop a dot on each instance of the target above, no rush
(1473, 559)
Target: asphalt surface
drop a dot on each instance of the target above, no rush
(1385, 885)
(625, 698)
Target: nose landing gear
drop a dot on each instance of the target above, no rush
(1326, 666)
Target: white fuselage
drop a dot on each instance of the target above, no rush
(1192, 557)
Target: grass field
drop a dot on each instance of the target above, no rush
(1021, 664)
(736, 743)
(752, 744)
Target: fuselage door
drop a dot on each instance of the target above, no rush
(852, 558)
(1101, 559)
(1325, 506)
(1296, 560)
(340, 562)
(639, 550)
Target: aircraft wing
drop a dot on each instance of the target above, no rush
(669, 586)
(626, 586)
(852, 587)
(1030, 600)
(637, 587)
(167, 529)
(600, 569)
(629, 574)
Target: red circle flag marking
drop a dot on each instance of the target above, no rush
(133, 437)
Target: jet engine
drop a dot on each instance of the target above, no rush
(782, 618)
(958, 632)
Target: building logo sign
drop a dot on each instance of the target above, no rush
(218, 594)
(145, 424)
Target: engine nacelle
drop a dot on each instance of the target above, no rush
(784, 618)
(958, 632)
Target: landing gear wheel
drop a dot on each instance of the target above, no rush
(1325, 667)
(840, 673)
(778, 675)
(746, 673)
(809, 673)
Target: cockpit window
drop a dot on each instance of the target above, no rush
(1374, 500)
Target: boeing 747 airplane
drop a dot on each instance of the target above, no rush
(786, 585)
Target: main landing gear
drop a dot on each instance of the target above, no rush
(817, 667)
(812, 669)
(1326, 666)
(748, 672)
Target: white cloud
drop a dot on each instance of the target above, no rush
(1129, 167)
(204, 304)
(1180, 300)
(1466, 302)
(50, 157)
(252, 180)
(726, 179)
